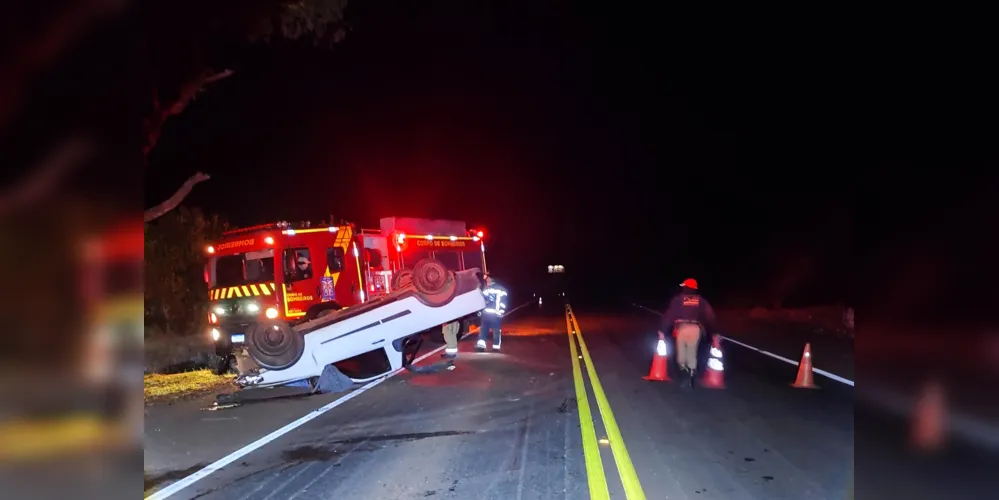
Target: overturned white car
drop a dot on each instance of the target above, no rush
(278, 354)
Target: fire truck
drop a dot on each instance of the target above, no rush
(299, 273)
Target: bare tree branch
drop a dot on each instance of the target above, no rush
(37, 47)
(218, 76)
(46, 177)
(154, 124)
(172, 202)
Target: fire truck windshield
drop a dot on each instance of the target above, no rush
(250, 267)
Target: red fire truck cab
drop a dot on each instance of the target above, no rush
(405, 241)
(300, 272)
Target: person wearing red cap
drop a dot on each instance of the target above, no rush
(690, 318)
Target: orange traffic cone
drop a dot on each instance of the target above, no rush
(928, 418)
(805, 377)
(658, 372)
(715, 376)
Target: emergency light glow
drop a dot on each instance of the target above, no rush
(479, 234)
(211, 249)
(271, 313)
(716, 352)
(219, 311)
(430, 237)
(661, 347)
(252, 307)
(454, 238)
(269, 240)
(333, 229)
(215, 334)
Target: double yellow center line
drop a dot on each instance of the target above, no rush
(596, 478)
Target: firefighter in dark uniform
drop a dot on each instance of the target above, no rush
(691, 319)
(492, 315)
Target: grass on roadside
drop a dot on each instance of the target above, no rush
(180, 385)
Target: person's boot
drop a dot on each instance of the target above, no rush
(690, 382)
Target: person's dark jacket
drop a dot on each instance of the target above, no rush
(689, 305)
(495, 299)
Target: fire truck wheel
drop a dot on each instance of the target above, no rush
(403, 278)
(274, 345)
(226, 365)
(320, 310)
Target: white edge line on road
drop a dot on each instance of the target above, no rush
(508, 313)
(833, 376)
(173, 488)
(969, 427)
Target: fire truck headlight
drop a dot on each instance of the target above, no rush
(215, 334)
(271, 313)
(220, 311)
(252, 307)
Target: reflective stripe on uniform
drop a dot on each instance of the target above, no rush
(494, 297)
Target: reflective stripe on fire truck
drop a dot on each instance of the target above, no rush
(255, 290)
(342, 241)
(288, 313)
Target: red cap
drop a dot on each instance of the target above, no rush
(689, 283)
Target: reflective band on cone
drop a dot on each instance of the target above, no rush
(658, 372)
(805, 378)
(715, 376)
(661, 348)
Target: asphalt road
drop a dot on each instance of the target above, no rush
(507, 426)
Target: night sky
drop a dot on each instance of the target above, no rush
(635, 148)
